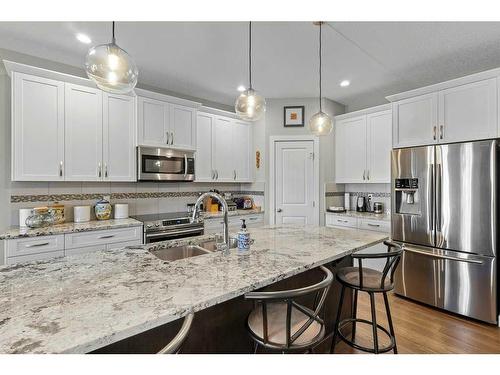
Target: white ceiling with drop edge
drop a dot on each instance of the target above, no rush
(209, 59)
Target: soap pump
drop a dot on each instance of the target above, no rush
(243, 238)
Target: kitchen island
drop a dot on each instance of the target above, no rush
(81, 303)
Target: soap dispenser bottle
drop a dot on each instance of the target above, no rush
(243, 238)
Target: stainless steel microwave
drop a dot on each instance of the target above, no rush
(164, 164)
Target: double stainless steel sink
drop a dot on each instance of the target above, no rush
(188, 251)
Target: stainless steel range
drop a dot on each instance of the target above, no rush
(169, 226)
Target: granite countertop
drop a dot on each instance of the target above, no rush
(211, 215)
(363, 215)
(17, 232)
(79, 303)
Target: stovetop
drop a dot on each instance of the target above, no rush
(162, 216)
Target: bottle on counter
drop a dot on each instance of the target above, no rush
(243, 238)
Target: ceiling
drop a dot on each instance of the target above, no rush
(209, 59)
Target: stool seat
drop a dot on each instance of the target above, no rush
(276, 325)
(372, 279)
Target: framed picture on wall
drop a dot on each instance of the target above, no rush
(293, 116)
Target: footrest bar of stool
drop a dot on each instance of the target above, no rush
(351, 343)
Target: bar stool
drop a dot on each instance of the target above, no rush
(371, 281)
(279, 322)
(174, 346)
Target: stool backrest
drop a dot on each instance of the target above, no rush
(392, 255)
(290, 296)
(174, 346)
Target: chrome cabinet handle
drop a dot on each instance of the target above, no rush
(168, 137)
(279, 210)
(434, 133)
(364, 172)
(60, 168)
(216, 174)
(108, 236)
(342, 221)
(38, 244)
(373, 225)
(99, 170)
(106, 170)
(185, 165)
(171, 138)
(368, 174)
(213, 174)
(234, 174)
(441, 131)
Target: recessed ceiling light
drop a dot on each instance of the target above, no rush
(83, 38)
(345, 83)
(241, 88)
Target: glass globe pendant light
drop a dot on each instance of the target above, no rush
(320, 123)
(250, 106)
(111, 68)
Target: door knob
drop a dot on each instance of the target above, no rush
(279, 210)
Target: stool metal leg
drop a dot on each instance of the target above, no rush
(374, 323)
(337, 321)
(389, 319)
(354, 314)
(255, 348)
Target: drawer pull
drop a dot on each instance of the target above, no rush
(38, 244)
(108, 236)
(373, 225)
(342, 221)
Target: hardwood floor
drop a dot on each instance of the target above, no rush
(422, 329)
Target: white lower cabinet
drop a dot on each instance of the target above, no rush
(46, 247)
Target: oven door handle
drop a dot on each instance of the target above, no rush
(174, 233)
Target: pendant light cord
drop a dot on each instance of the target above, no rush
(250, 54)
(113, 32)
(320, 106)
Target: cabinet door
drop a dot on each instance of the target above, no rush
(182, 126)
(350, 150)
(468, 112)
(37, 129)
(153, 122)
(379, 141)
(203, 157)
(241, 150)
(222, 158)
(415, 121)
(83, 133)
(118, 137)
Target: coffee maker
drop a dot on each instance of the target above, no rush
(361, 204)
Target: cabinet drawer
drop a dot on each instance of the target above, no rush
(32, 257)
(101, 247)
(83, 239)
(34, 245)
(375, 225)
(341, 221)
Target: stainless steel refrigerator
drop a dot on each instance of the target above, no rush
(445, 211)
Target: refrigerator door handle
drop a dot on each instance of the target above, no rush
(439, 172)
(431, 200)
(446, 257)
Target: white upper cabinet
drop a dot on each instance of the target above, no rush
(363, 146)
(464, 109)
(165, 124)
(153, 122)
(378, 130)
(350, 150)
(118, 137)
(83, 133)
(203, 158)
(223, 148)
(37, 128)
(468, 112)
(416, 120)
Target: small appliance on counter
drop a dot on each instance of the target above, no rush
(231, 206)
(121, 211)
(243, 203)
(81, 214)
(361, 204)
(378, 207)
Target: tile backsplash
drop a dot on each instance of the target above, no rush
(381, 193)
(142, 197)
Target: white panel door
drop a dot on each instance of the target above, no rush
(182, 126)
(241, 150)
(153, 122)
(222, 158)
(350, 150)
(203, 158)
(118, 137)
(83, 133)
(37, 128)
(415, 121)
(468, 112)
(379, 141)
(294, 186)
